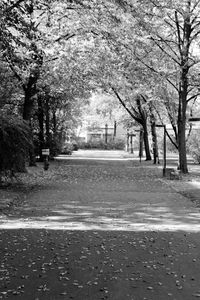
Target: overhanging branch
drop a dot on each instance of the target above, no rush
(13, 6)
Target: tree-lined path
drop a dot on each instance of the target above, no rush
(100, 229)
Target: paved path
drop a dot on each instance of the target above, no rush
(110, 193)
(100, 229)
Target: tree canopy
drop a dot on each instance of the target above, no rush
(55, 54)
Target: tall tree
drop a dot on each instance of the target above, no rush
(174, 28)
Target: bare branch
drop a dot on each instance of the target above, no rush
(13, 6)
(164, 51)
(167, 42)
(124, 105)
(65, 37)
(193, 97)
(15, 72)
(180, 42)
(174, 127)
(155, 71)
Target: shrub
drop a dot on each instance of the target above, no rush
(15, 142)
(101, 145)
(193, 146)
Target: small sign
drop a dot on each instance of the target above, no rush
(45, 151)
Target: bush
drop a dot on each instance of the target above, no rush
(67, 149)
(14, 144)
(193, 146)
(101, 145)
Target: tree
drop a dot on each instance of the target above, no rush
(173, 27)
(138, 112)
(14, 143)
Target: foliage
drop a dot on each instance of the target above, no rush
(14, 143)
(144, 48)
(101, 145)
(193, 146)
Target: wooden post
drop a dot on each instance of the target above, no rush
(127, 140)
(141, 145)
(131, 142)
(164, 151)
(106, 133)
(115, 130)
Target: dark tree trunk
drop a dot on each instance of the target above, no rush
(29, 91)
(183, 90)
(146, 141)
(41, 127)
(155, 144)
(181, 137)
(154, 136)
(184, 49)
(47, 122)
(28, 104)
(141, 143)
(54, 125)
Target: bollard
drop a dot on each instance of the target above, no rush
(46, 162)
(45, 153)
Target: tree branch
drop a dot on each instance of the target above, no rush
(193, 97)
(66, 37)
(180, 42)
(174, 128)
(15, 72)
(124, 105)
(167, 42)
(155, 71)
(13, 6)
(164, 51)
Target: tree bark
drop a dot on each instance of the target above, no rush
(41, 126)
(181, 133)
(155, 144)
(154, 136)
(146, 141)
(29, 91)
(28, 104)
(47, 121)
(141, 143)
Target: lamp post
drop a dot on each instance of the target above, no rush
(164, 149)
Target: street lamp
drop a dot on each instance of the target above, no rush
(164, 149)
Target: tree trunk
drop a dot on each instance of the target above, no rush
(41, 127)
(146, 141)
(141, 142)
(184, 46)
(181, 134)
(154, 135)
(54, 125)
(155, 144)
(183, 91)
(47, 121)
(27, 113)
(28, 104)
